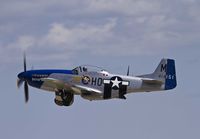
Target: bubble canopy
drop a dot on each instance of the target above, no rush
(88, 68)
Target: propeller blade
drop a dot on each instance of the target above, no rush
(19, 83)
(128, 71)
(26, 91)
(25, 62)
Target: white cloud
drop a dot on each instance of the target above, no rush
(61, 35)
(125, 7)
(25, 8)
(98, 27)
(61, 41)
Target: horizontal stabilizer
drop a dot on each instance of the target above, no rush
(152, 82)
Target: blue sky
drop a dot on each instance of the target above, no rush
(111, 34)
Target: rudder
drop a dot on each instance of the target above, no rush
(170, 81)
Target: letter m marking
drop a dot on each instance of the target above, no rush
(163, 67)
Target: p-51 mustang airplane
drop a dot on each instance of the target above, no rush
(96, 84)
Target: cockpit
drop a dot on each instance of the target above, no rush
(87, 68)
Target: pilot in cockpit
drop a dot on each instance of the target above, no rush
(84, 69)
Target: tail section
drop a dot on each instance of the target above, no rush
(166, 73)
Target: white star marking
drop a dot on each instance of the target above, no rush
(115, 82)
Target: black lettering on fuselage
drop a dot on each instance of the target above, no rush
(163, 67)
(94, 81)
(97, 81)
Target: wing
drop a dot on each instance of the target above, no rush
(89, 93)
(55, 83)
(76, 89)
(85, 89)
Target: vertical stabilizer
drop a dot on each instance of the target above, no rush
(166, 73)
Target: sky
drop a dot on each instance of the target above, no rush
(62, 34)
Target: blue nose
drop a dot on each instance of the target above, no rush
(23, 76)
